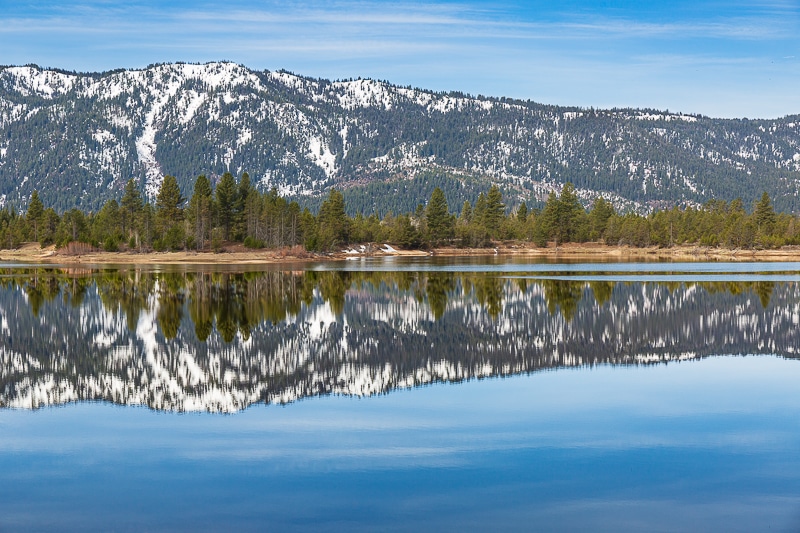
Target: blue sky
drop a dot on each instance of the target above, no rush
(719, 58)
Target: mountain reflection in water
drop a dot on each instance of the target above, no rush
(221, 341)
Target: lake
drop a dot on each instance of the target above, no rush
(401, 394)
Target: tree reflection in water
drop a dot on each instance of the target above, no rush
(235, 302)
(222, 340)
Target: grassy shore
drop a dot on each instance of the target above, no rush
(236, 254)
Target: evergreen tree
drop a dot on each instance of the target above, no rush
(309, 229)
(479, 212)
(199, 214)
(226, 203)
(333, 225)
(49, 226)
(131, 204)
(563, 218)
(495, 211)
(147, 224)
(764, 215)
(406, 235)
(547, 224)
(466, 213)
(169, 214)
(35, 214)
(106, 226)
(73, 227)
(438, 219)
(253, 206)
(570, 214)
(522, 213)
(598, 218)
(240, 221)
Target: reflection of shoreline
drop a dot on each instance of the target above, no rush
(248, 298)
(213, 341)
(31, 253)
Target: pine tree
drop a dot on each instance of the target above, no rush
(199, 214)
(309, 229)
(73, 228)
(522, 213)
(764, 215)
(169, 202)
(479, 211)
(406, 235)
(598, 218)
(569, 214)
(106, 228)
(131, 204)
(495, 211)
(438, 219)
(547, 223)
(35, 214)
(240, 219)
(226, 203)
(333, 225)
(169, 214)
(49, 226)
(146, 224)
(466, 213)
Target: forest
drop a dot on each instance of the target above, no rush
(234, 212)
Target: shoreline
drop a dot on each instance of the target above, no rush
(32, 253)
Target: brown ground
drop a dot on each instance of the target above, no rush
(237, 254)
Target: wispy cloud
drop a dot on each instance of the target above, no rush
(491, 48)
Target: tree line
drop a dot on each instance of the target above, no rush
(236, 212)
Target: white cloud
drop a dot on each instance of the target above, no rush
(571, 58)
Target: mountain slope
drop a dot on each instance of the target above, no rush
(79, 137)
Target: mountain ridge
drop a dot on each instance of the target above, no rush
(78, 137)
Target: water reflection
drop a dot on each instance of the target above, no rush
(220, 341)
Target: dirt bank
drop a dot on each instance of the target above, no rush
(33, 253)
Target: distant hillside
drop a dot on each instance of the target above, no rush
(79, 137)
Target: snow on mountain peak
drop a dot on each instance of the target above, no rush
(304, 135)
(33, 81)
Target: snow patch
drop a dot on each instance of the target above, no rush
(665, 117)
(244, 137)
(322, 156)
(103, 136)
(289, 80)
(44, 83)
(363, 93)
(193, 101)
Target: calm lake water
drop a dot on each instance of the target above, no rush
(401, 395)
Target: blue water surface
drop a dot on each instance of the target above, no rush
(702, 445)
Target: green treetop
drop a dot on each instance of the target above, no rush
(226, 203)
(334, 225)
(199, 214)
(495, 211)
(437, 216)
(169, 213)
(131, 204)
(764, 215)
(35, 213)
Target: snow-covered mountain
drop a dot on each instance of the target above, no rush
(79, 137)
(107, 341)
